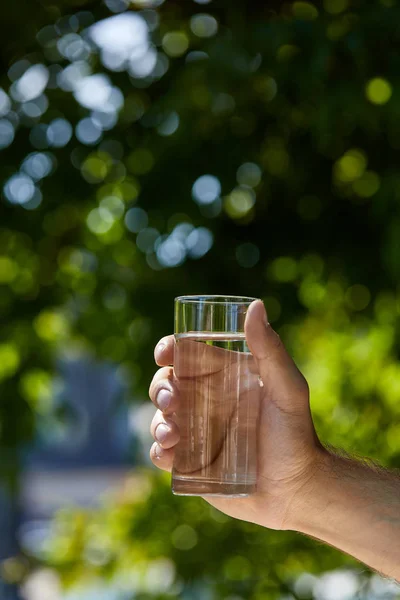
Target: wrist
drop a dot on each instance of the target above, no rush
(312, 491)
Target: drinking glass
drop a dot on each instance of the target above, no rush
(219, 390)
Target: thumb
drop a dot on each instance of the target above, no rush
(283, 382)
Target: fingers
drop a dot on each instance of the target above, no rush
(278, 371)
(163, 459)
(163, 390)
(164, 351)
(164, 430)
(196, 359)
(166, 434)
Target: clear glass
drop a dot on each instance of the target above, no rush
(219, 389)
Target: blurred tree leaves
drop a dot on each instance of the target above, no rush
(291, 112)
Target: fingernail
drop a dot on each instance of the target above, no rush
(158, 451)
(160, 346)
(161, 432)
(163, 399)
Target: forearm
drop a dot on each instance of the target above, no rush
(354, 507)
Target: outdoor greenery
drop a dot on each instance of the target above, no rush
(152, 149)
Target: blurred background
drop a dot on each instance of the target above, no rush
(154, 148)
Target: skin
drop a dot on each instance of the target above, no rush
(350, 504)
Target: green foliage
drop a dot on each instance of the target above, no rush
(156, 545)
(295, 115)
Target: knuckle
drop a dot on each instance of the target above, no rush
(275, 337)
(304, 386)
(157, 419)
(152, 453)
(162, 379)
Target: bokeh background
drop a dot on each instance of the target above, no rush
(151, 149)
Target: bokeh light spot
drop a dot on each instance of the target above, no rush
(70, 77)
(304, 11)
(204, 25)
(146, 239)
(38, 165)
(169, 125)
(31, 84)
(239, 202)
(206, 189)
(9, 360)
(283, 269)
(175, 43)
(337, 585)
(140, 161)
(143, 66)
(367, 185)
(87, 132)
(171, 252)
(182, 230)
(100, 220)
(136, 219)
(247, 255)
(335, 7)
(35, 201)
(114, 205)
(59, 133)
(36, 108)
(249, 174)
(275, 157)
(199, 242)
(350, 167)
(73, 47)
(223, 104)
(5, 103)
(19, 189)
(8, 269)
(358, 297)
(195, 56)
(96, 93)
(286, 52)
(95, 168)
(7, 133)
(104, 120)
(117, 6)
(266, 87)
(129, 189)
(378, 91)
(51, 326)
(36, 387)
(184, 537)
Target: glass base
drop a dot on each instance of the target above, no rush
(202, 487)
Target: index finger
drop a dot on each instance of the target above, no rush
(164, 351)
(199, 359)
(196, 358)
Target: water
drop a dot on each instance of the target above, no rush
(219, 389)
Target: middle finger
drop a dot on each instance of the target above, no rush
(163, 390)
(164, 430)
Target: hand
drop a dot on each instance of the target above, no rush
(289, 450)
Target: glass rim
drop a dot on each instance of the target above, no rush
(215, 299)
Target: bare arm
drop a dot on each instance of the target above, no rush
(349, 504)
(355, 507)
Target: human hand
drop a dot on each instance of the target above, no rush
(288, 449)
